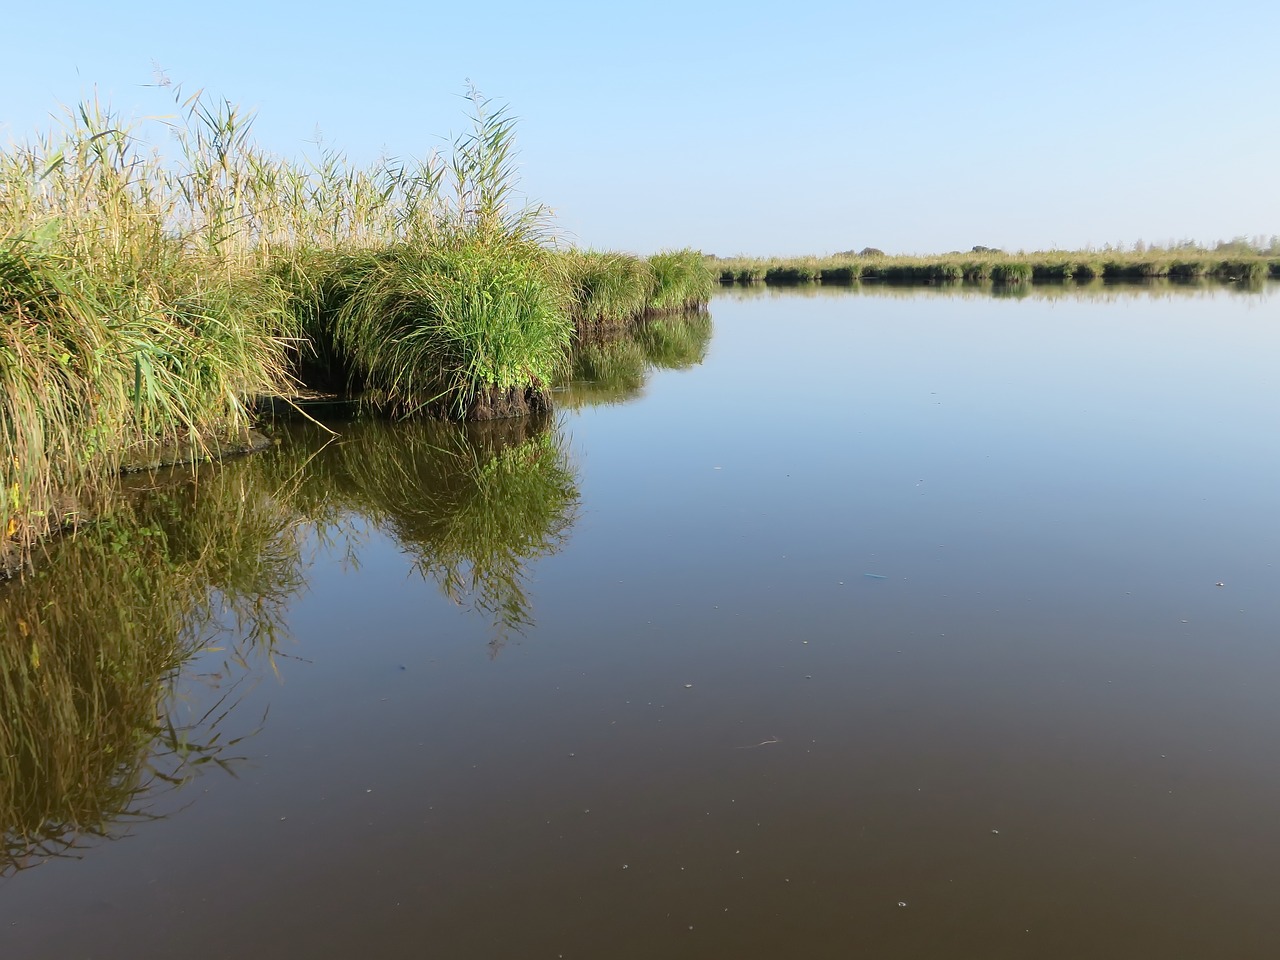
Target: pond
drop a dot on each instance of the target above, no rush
(886, 623)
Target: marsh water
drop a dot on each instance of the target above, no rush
(883, 623)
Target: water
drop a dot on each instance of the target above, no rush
(889, 625)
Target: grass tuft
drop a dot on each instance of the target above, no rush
(471, 331)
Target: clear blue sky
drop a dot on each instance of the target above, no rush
(778, 128)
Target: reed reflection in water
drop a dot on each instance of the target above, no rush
(109, 695)
(613, 366)
(471, 505)
(93, 641)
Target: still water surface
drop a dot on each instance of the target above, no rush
(859, 625)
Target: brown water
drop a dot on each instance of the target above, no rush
(885, 626)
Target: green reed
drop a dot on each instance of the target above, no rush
(92, 370)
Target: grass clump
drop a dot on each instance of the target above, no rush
(682, 280)
(841, 273)
(1190, 269)
(606, 288)
(1052, 271)
(1131, 269)
(466, 331)
(790, 275)
(1245, 270)
(1011, 273)
(611, 289)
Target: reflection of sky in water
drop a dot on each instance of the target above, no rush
(1121, 426)
(1050, 489)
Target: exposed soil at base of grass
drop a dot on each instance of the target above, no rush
(512, 402)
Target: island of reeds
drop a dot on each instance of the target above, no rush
(1235, 261)
(149, 303)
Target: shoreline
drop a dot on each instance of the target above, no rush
(996, 267)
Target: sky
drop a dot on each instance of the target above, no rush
(760, 129)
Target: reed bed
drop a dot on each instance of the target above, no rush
(148, 301)
(984, 264)
(606, 289)
(94, 372)
(1093, 290)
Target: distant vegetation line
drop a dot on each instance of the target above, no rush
(1236, 261)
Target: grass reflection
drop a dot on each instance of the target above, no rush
(613, 367)
(91, 646)
(98, 640)
(470, 504)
